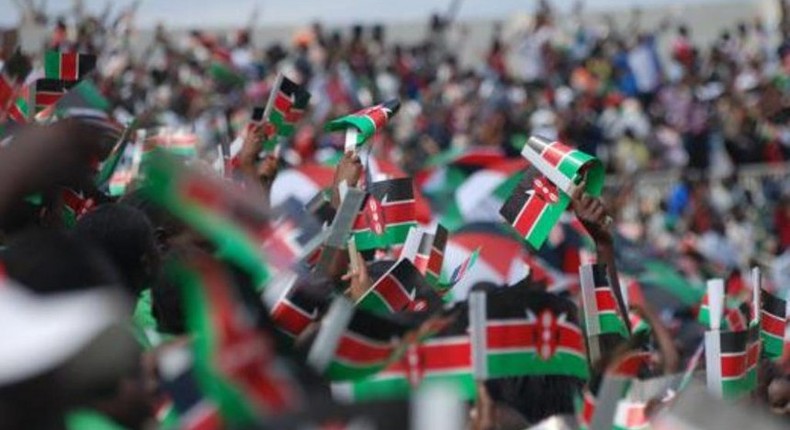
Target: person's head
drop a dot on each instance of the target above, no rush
(51, 261)
(126, 236)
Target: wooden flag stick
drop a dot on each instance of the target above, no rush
(477, 327)
(756, 292)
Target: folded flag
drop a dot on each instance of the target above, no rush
(395, 291)
(731, 359)
(367, 121)
(601, 311)
(291, 310)
(68, 66)
(234, 362)
(352, 344)
(218, 210)
(285, 108)
(773, 321)
(386, 216)
(517, 332)
(445, 358)
(540, 199)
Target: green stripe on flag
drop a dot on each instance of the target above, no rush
(772, 346)
(52, 64)
(505, 364)
(610, 322)
(338, 371)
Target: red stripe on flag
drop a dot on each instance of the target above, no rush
(398, 212)
(518, 335)
(290, 317)
(733, 365)
(529, 215)
(357, 350)
(68, 66)
(604, 299)
(632, 363)
(393, 292)
(446, 355)
(421, 263)
(47, 99)
(554, 152)
(771, 324)
(283, 104)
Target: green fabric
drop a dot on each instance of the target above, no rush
(88, 419)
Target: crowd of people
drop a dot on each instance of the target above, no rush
(98, 310)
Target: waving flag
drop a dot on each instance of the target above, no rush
(445, 285)
(517, 332)
(75, 205)
(194, 411)
(736, 314)
(353, 344)
(235, 364)
(175, 141)
(601, 311)
(445, 358)
(395, 291)
(773, 321)
(367, 121)
(218, 210)
(731, 359)
(68, 66)
(540, 199)
(386, 216)
(285, 108)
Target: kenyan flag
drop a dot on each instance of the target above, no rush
(601, 313)
(585, 409)
(289, 309)
(517, 332)
(395, 291)
(736, 314)
(632, 364)
(417, 248)
(630, 415)
(286, 107)
(562, 164)
(367, 121)
(731, 361)
(216, 209)
(773, 321)
(8, 90)
(534, 208)
(433, 270)
(177, 142)
(352, 343)
(49, 91)
(68, 66)
(386, 216)
(235, 365)
(442, 359)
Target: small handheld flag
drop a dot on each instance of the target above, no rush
(68, 66)
(286, 107)
(366, 122)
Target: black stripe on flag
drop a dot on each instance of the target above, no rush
(85, 64)
(53, 86)
(733, 341)
(517, 200)
(440, 238)
(301, 97)
(772, 304)
(426, 244)
(375, 327)
(600, 276)
(395, 189)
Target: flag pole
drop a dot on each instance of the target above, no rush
(756, 292)
(477, 327)
(351, 140)
(713, 338)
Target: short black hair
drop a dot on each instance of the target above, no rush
(51, 261)
(126, 236)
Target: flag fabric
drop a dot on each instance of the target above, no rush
(601, 311)
(179, 382)
(731, 359)
(8, 91)
(293, 233)
(543, 193)
(178, 142)
(394, 291)
(218, 210)
(84, 96)
(517, 332)
(433, 271)
(352, 343)
(773, 322)
(75, 205)
(113, 160)
(302, 182)
(417, 248)
(68, 66)
(534, 207)
(235, 364)
(285, 108)
(386, 216)
(367, 121)
(736, 314)
(444, 358)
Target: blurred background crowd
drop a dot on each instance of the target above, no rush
(694, 137)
